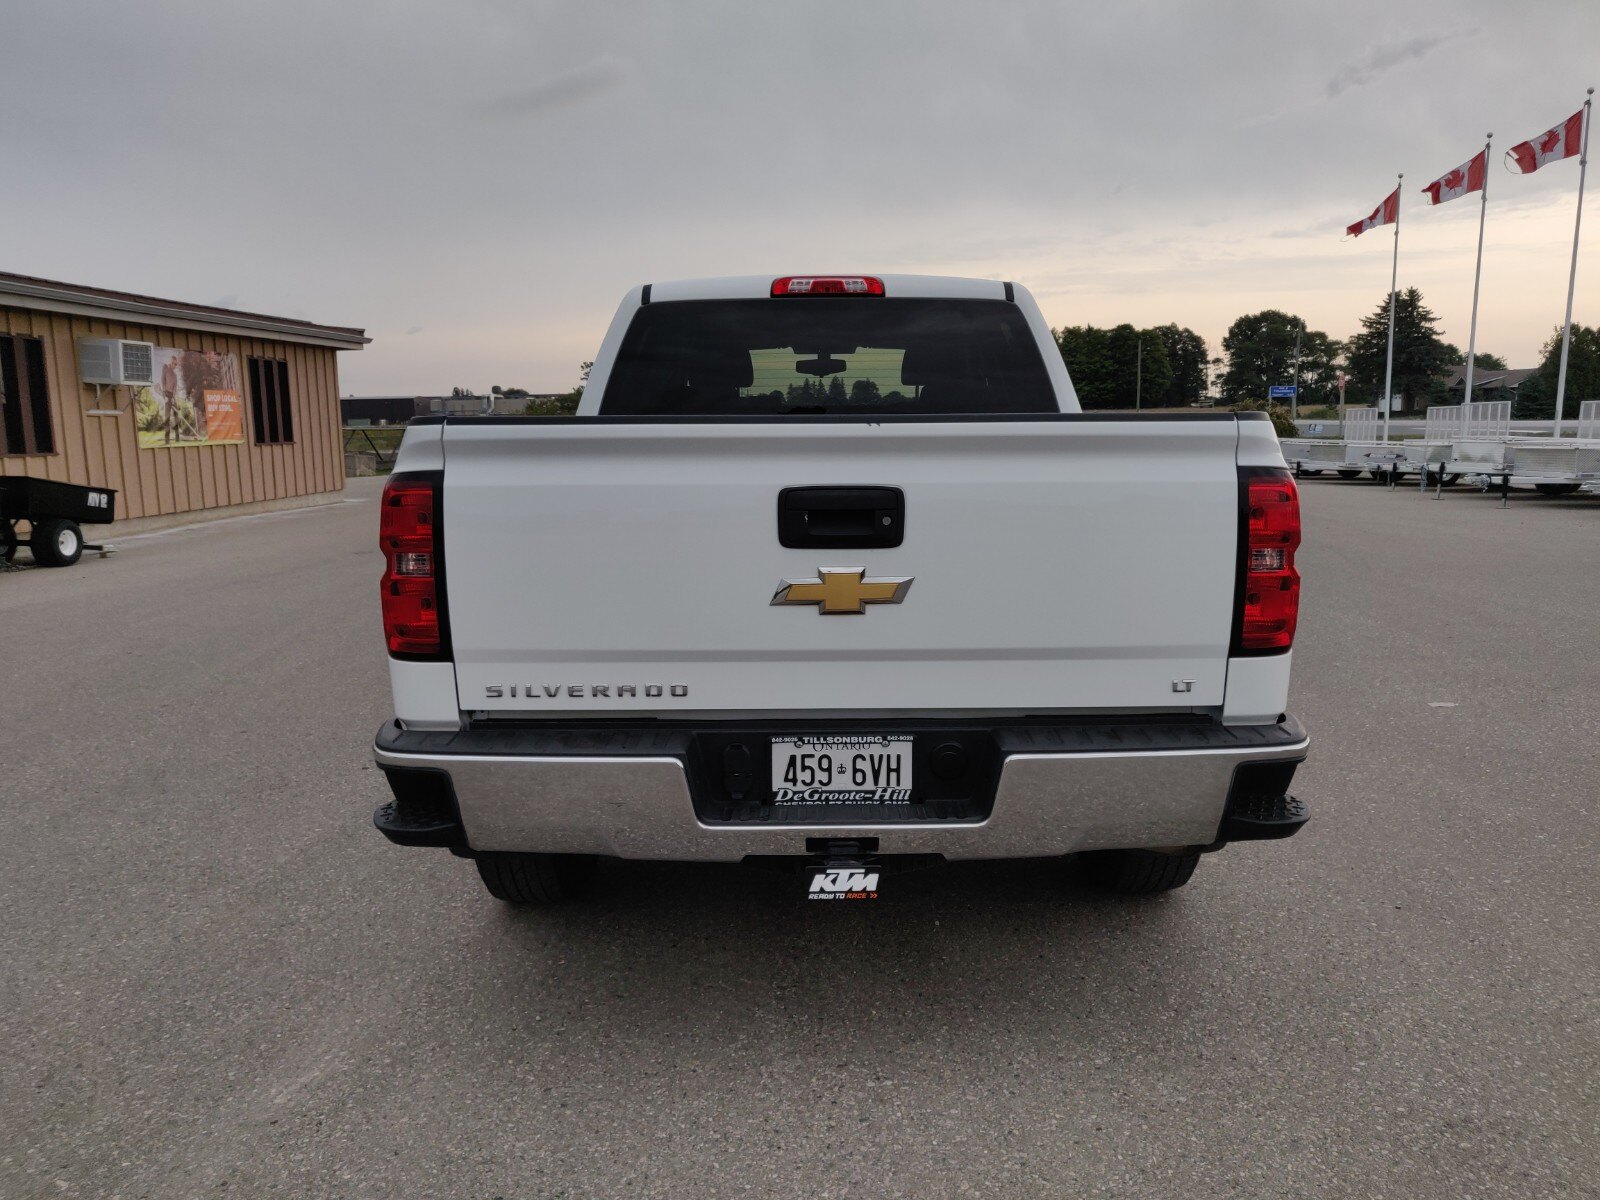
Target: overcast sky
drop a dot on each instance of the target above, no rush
(478, 183)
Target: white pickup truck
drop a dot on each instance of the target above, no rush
(833, 571)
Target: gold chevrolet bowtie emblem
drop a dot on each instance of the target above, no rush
(842, 590)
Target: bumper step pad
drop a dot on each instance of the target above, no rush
(1257, 818)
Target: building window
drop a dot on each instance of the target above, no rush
(269, 401)
(24, 397)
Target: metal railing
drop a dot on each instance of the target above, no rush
(352, 433)
(1485, 420)
(1362, 424)
(1589, 421)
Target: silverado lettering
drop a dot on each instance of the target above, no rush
(495, 691)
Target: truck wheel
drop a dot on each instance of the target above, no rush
(1449, 479)
(528, 879)
(56, 543)
(1555, 489)
(1347, 473)
(1140, 872)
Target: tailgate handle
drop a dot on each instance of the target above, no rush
(841, 518)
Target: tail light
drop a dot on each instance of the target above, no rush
(1269, 585)
(827, 285)
(412, 540)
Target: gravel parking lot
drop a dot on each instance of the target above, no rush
(216, 978)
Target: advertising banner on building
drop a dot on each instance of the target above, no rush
(194, 401)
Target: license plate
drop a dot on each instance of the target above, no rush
(841, 770)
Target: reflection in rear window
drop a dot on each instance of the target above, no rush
(845, 355)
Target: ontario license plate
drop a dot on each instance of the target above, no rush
(841, 770)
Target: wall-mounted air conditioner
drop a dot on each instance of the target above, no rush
(115, 362)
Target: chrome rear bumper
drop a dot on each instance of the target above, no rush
(628, 793)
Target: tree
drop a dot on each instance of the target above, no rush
(1261, 353)
(1105, 366)
(1152, 370)
(1536, 398)
(1186, 355)
(1482, 362)
(1421, 356)
(1087, 353)
(558, 406)
(865, 391)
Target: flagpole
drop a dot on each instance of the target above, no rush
(1477, 273)
(1394, 277)
(1572, 276)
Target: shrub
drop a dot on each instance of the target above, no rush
(1277, 412)
(558, 406)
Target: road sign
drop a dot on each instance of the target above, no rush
(1281, 391)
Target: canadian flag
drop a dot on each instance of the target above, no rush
(1562, 141)
(1386, 213)
(1468, 177)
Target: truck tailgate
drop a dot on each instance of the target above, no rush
(1058, 564)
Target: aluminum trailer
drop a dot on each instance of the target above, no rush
(1449, 425)
(1550, 465)
(1361, 451)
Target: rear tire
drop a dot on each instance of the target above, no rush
(56, 543)
(1449, 479)
(1555, 489)
(1139, 872)
(533, 879)
(1346, 473)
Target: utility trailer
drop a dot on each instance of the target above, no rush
(1561, 466)
(1552, 466)
(1447, 426)
(1556, 469)
(1313, 456)
(1476, 437)
(55, 513)
(1361, 449)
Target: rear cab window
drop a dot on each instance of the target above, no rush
(828, 355)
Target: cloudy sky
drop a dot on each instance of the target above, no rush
(477, 183)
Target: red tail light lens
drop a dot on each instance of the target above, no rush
(412, 587)
(1269, 602)
(827, 285)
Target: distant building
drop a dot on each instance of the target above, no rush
(397, 410)
(515, 405)
(379, 410)
(180, 408)
(1487, 384)
(457, 406)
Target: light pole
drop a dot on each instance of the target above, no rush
(1294, 397)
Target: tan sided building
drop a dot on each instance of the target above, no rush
(181, 408)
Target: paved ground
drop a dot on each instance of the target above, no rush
(215, 978)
